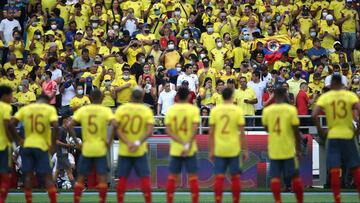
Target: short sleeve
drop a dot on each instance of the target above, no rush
(19, 115)
(7, 112)
(241, 119)
(150, 117)
(117, 114)
(264, 119)
(109, 115)
(354, 99)
(212, 117)
(53, 117)
(295, 119)
(320, 101)
(167, 119)
(77, 115)
(196, 113)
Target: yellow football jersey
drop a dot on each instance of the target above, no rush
(180, 118)
(281, 139)
(337, 106)
(5, 115)
(94, 120)
(37, 119)
(226, 119)
(133, 120)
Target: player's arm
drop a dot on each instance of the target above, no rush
(243, 143)
(113, 124)
(173, 135)
(211, 142)
(193, 136)
(315, 113)
(297, 140)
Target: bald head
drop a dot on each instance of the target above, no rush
(137, 94)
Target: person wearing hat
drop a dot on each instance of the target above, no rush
(36, 45)
(80, 42)
(108, 91)
(99, 17)
(329, 33)
(50, 39)
(335, 56)
(98, 30)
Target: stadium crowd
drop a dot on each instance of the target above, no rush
(67, 48)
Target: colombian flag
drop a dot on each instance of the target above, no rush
(275, 46)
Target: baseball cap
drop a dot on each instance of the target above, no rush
(50, 32)
(336, 42)
(79, 32)
(107, 77)
(126, 33)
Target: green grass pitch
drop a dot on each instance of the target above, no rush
(205, 197)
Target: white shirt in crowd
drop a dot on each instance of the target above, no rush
(192, 79)
(166, 99)
(67, 95)
(259, 90)
(56, 74)
(344, 80)
(7, 27)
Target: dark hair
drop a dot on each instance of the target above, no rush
(187, 66)
(336, 80)
(302, 84)
(280, 92)
(5, 90)
(48, 73)
(227, 93)
(206, 80)
(43, 97)
(183, 93)
(95, 96)
(256, 73)
(85, 50)
(56, 11)
(219, 81)
(139, 55)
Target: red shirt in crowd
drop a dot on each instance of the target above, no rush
(302, 103)
(265, 97)
(191, 100)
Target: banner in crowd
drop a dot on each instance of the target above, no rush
(255, 170)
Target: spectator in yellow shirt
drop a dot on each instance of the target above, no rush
(123, 86)
(80, 99)
(24, 96)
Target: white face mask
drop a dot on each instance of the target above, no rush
(142, 60)
(313, 34)
(21, 88)
(202, 56)
(37, 36)
(324, 14)
(107, 83)
(115, 27)
(177, 13)
(219, 44)
(53, 27)
(34, 24)
(178, 69)
(125, 77)
(186, 36)
(80, 92)
(171, 46)
(210, 29)
(94, 25)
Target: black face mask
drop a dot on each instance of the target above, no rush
(147, 31)
(206, 63)
(97, 62)
(12, 75)
(337, 48)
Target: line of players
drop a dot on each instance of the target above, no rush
(133, 124)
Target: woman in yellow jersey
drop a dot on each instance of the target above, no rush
(17, 45)
(206, 93)
(190, 49)
(114, 13)
(227, 73)
(183, 44)
(228, 41)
